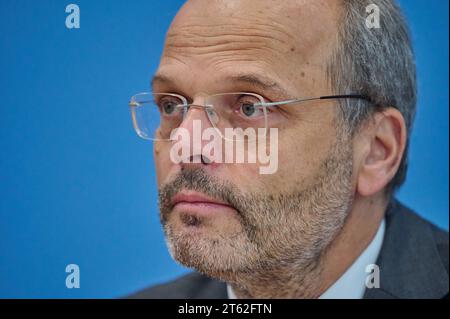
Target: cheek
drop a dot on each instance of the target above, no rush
(163, 163)
(245, 176)
(300, 158)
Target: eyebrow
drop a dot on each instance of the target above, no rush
(258, 81)
(255, 80)
(162, 79)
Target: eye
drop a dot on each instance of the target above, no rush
(168, 105)
(247, 108)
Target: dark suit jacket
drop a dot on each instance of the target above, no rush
(413, 263)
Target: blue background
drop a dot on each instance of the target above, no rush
(78, 186)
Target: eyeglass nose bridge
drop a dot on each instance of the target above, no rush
(211, 114)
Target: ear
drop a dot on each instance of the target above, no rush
(382, 150)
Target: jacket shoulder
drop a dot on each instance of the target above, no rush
(413, 260)
(440, 237)
(190, 286)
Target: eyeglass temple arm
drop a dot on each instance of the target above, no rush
(326, 97)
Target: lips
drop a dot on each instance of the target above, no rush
(195, 198)
(200, 205)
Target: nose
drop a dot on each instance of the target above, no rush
(195, 123)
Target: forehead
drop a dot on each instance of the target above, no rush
(212, 37)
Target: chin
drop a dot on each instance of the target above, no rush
(201, 227)
(216, 250)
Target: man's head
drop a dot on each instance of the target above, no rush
(225, 219)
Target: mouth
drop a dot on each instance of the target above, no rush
(191, 202)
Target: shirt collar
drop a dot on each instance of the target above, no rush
(352, 284)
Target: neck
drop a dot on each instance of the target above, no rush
(292, 280)
(285, 282)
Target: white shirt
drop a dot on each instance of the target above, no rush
(352, 284)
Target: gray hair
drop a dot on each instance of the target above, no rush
(377, 62)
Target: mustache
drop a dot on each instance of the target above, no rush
(198, 180)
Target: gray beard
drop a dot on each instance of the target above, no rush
(283, 235)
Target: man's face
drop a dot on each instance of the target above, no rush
(227, 218)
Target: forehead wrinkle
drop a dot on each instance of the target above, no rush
(246, 19)
(222, 62)
(202, 27)
(201, 36)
